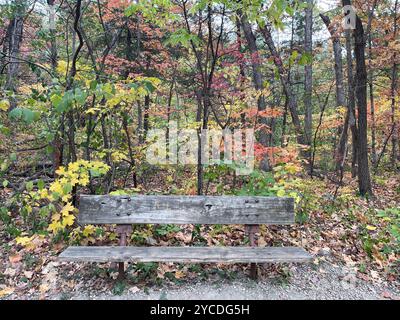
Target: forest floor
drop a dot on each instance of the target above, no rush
(348, 241)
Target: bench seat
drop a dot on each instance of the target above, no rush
(186, 254)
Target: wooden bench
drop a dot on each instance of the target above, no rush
(124, 211)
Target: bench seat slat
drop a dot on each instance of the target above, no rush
(186, 254)
(160, 209)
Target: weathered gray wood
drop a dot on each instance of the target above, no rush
(185, 209)
(186, 254)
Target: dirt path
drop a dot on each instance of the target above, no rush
(326, 281)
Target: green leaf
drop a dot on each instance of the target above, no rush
(67, 188)
(40, 184)
(15, 114)
(29, 186)
(29, 116)
(305, 59)
(5, 183)
(93, 85)
(149, 86)
(56, 100)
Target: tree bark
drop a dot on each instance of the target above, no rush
(53, 39)
(340, 94)
(372, 102)
(351, 103)
(264, 138)
(308, 71)
(364, 180)
(393, 90)
(14, 44)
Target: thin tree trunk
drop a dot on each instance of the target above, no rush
(393, 94)
(340, 93)
(146, 116)
(364, 180)
(308, 71)
(57, 144)
(372, 102)
(53, 39)
(264, 137)
(351, 103)
(15, 39)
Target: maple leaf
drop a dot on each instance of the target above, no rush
(68, 220)
(67, 209)
(88, 230)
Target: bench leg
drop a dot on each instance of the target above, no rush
(123, 230)
(251, 230)
(253, 271)
(121, 271)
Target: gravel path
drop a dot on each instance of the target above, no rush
(326, 281)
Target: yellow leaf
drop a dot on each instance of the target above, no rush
(60, 171)
(4, 105)
(23, 240)
(179, 274)
(67, 209)
(68, 220)
(6, 291)
(112, 236)
(88, 230)
(281, 193)
(55, 226)
(372, 228)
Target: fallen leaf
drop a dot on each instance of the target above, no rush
(134, 289)
(386, 295)
(9, 272)
(15, 258)
(28, 274)
(43, 288)
(6, 291)
(179, 274)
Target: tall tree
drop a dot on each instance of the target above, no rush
(308, 72)
(351, 104)
(14, 37)
(393, 90)
(264, 138)
(340, 93)
(53, 40)
(364, 179)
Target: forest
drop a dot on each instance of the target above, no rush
(114, 97)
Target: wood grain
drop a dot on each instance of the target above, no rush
(186, 254)
(185, 210)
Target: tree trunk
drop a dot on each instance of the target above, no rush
(53, 39)
(340, 94)
(364, 180)
(372, 102)
(264, 138)
(351, 103)
(14, 43)
(393, 90)
(308, 71)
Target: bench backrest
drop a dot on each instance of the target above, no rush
(185, 210)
